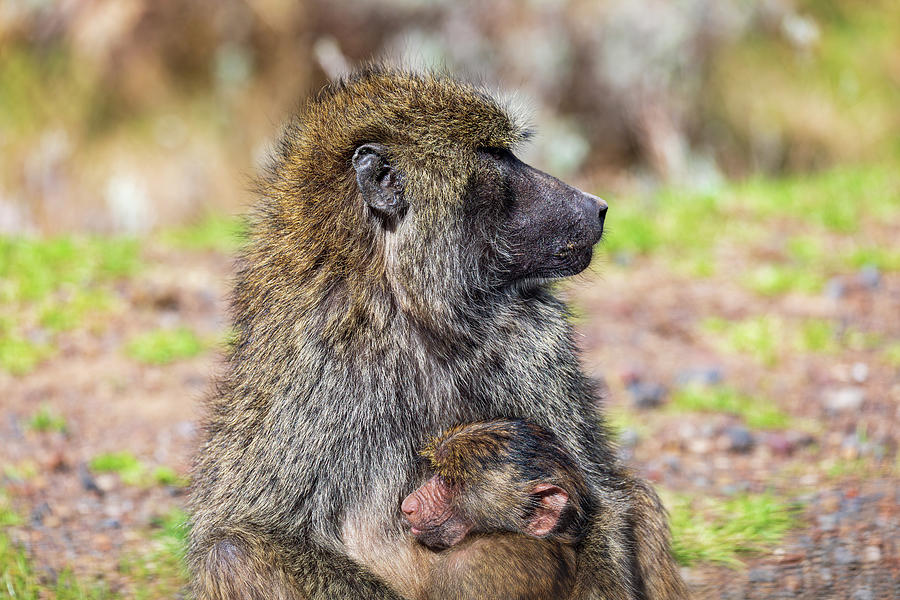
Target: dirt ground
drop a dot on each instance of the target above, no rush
(640, 327)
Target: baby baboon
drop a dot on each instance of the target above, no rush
(394, 283)
(508, 504)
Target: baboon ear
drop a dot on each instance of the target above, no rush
(551, 501)
(379, 182)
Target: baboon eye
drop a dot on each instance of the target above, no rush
(494, 151)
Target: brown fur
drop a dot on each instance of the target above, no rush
(358, 340)
(490, 472)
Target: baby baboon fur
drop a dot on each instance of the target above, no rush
(394, 284)
(506, 505)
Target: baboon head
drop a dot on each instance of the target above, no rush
(406, 186)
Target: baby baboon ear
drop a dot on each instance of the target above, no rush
(379, 182)
(551, 501)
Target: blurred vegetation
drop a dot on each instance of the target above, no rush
(156, 573)
(133, 472)
(164, 346)
(755, 411)
(52, 285)
(125, 116)
(720, 531)
(45, 419)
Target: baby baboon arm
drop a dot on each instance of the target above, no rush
(245, 567)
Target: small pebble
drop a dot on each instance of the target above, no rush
(779, 444)
(870, 276)
(739, 439)
(672, 463)
(845, 399)
(87, 480)
(850, 448)
(629, 438)
(872, 554)
(762, 574)
(623, 259)
(859, 372)
(107, 481)
(862, 593)
(699, 445)
(102, 542)
(834, 289)
(843, 556)
(827, 522)
(39, 513)
(645, 394)
(831, 503)
(699, 376)
(792, 583)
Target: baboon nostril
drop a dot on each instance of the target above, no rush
(409, 505)
(597, 206)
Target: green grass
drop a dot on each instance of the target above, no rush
(755, 411)
(133, 472)
(125, 464)
(694, 231)
(884, 258)
(32, 269)
(20, 580)
(65, 314)
(619, 419)
(19, 356)
(892, 355)
(707, 530)
(767, 338)
(173, 529)
(776, 279)
(157, 573)
(756, 336)
(837, 200)
(164, 475)
(217, 233)
(160, 572)
(24, 470)
(817, 335)
(165, 346)
(45, 419)
(51, 285)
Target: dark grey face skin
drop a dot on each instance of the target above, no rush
(549, 227)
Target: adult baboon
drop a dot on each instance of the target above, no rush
(394, 284)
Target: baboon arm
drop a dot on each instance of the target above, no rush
(324, 575)
(245, 567)
(657, 573)
(604, 564)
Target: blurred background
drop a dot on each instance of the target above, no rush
(743, 313)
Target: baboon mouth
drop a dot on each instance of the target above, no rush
(576, 248)
(575, 259)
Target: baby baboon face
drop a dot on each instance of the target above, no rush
(431, 515)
